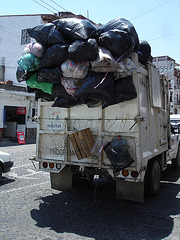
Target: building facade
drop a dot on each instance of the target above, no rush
(17, 109)
(168, 67)
(17, 105)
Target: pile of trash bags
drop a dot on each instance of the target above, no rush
(74, 62)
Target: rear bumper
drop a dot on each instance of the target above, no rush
(7, 166)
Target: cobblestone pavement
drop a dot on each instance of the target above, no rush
(30, 210)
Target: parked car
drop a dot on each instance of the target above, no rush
(5, 163)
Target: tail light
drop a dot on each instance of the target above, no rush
(134, 174)
(51, 165)
(125, 173)
(58, 166)
(45, 165)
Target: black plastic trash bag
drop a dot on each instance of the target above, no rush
(54, 56)
(59, 91)
(82, 51)
(66, 102)
(91, 103)
(22, 75)
(31, 90)
(104, 91)
(118, 42)
(124, 90)
(121, 24)
(47, 34)
(40, 94)
(144, 53)
(51, 75)
(63, 98)
(109, 91)
(76, 29)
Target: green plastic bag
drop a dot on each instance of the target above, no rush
(29, 62)
(44, 86)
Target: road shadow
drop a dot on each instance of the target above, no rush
(96, 213)
(5, 180)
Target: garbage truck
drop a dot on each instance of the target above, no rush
(129, 142)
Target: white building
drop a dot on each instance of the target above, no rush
(168, 67)
(17, 105)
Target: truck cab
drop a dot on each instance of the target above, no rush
(175, 123)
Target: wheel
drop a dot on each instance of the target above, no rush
(152, 178)
(176, 161)
(81, 180)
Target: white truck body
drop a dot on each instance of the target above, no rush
(144, 122)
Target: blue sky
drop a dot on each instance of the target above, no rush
(156, 21)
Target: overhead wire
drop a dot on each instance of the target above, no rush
(43, 6)
(149, 10)
(164, 36)
(59, 5)
(49, 5)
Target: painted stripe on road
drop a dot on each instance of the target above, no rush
(30, 164)
(32, 173)
(21, 188)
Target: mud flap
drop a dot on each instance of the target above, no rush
(62, 181)
(133, 191)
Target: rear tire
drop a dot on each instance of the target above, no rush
(152, 178)
(176, 161)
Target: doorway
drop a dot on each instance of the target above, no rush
(14, 120)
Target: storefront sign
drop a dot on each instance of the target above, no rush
(21, 138)
(21, 110)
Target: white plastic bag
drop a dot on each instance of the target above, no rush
(71, 85)
(106, 63)
(73, 69)
(35, 48)
(127, 68)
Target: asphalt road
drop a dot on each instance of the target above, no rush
(29, 209)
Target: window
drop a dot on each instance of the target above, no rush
(25, 38)
(33, 113)
(171, 96)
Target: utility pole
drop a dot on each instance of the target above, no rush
(2, 69)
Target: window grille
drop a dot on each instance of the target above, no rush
(25, 38)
